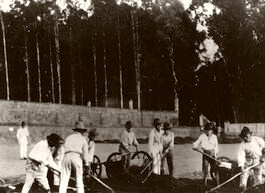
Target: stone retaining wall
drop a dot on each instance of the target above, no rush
(46, 114)
(45, 118)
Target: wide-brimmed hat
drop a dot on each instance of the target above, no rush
(128, 124)
(244, 132)
(79, 126)
(54, 140)
(166, 126)
(157, 122)
(92, 132)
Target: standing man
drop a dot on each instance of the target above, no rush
(23, 139)
(91, 145)
(250, 153)
(209, 145)
(76, 149)
(39, 159)
(127, 139)
(168, 145)
(155, 145)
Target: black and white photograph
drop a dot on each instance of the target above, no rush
(132, 96)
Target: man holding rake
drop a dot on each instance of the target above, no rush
(250, 152)
(209, 145)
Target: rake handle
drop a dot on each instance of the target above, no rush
(232, 178)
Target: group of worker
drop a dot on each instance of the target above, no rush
(251, 154)
(65, 156)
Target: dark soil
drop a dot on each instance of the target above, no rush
(131, 182)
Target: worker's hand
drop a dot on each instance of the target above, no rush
(262, 159)
(56, 172)
(195, 148)
(215, 155)
(88, 170)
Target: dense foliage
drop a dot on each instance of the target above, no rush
(110, 53)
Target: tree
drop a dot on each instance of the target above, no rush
(5, 55)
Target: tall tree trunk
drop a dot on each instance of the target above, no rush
(81, 74)
(5, 54)
(94, 51)
(27, 63)
(119, 61)
(57, 50)
(73, 67)
(173, 62)
(235, 113)
(105, 70)
(135, 26)
(51, 68)
(38, 59)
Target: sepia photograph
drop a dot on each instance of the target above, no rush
(132, 96)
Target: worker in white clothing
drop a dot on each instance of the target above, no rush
(249, 153)
(91, 145)
(209, 145)
(155, 145)
(58, 155)
(75, 145)
(127, 140)
(23, 139)
(168, 145)
(39, 158)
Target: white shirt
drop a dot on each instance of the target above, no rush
(168, 140)
(77, 143)
(155, 141)
(207, 142)
(91, 150)
(41, 153)
(128, 138)
(250, 151)
(22, 134)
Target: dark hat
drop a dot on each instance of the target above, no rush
(157, 122)
(92, 132)
(54, 140)
(167, 126)
(244, 132)
(79, 126)
(23, 124)
(209, 126)
(128, 124)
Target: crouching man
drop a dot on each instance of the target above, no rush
(38, 160)
(250, 153)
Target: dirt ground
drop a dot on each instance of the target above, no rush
(187, 175)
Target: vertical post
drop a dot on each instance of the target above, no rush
(5, 55)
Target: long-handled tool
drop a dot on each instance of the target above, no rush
(3, 184)
(147, 165)
(207, 155)
(90, 174)
(221, 164)
(233, 177)
(148, 175)
(99, 181)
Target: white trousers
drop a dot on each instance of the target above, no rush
(71, 162)
(38, 173)
(23, 146)
(156, 160)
